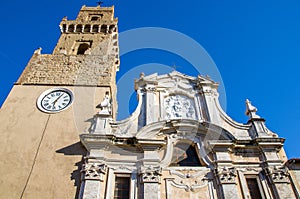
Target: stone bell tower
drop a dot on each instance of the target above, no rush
(52, 103)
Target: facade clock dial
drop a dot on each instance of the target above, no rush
(55, 100)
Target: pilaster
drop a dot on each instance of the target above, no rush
(93, 173)
(227, 180)
(150, 103)
(151, 179)
(279, 178)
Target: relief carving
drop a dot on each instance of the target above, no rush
(227, 175)
(149, 89)
(179, 106)
(188, 181)
(249, 169)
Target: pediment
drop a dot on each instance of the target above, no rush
(185, 129)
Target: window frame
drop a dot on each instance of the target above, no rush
(128, 177)
(110, 183)
(244, 184)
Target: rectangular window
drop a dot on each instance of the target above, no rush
(122, 188)
(253, 188)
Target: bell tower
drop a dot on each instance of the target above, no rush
(52, 103)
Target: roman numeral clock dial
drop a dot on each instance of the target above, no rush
(55, 100)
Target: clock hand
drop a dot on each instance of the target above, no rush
(57, 100)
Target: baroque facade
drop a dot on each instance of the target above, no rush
(60, 142)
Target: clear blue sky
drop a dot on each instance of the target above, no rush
(255, 45)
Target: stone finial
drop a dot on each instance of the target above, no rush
(105, 105)
(38, 51)
(251, 110)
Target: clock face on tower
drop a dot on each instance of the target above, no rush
(55, 100)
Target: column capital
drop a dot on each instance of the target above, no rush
(227, 175)
(278, 174)
(94, 171)
(151, 175)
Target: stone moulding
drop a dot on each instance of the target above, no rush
(97, 141)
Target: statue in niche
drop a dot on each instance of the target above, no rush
(105, 105)
(179, 106)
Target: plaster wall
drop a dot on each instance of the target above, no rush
(41, 148)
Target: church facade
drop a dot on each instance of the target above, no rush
(61, 139)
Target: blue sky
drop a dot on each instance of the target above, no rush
(254, 44)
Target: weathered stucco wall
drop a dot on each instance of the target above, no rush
(41, 148)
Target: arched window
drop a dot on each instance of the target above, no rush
(82, 48)
(103, 29)
(87, 28)
(185, 154)
(94, 18)
(79, 28)
(111, 28)
(64, 28)
(71, 28)
(95, 28)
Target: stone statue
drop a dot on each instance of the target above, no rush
(105, 105)
(251, 110)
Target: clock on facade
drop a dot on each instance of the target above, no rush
(55, 100)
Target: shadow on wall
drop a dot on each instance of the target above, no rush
(76, 149)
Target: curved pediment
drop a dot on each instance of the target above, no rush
(184, 128)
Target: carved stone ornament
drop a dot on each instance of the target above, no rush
(105, 105)
(94, 171)
(227, 175)
(151, 175)
(190, 181)
(251, 110)
(278, 174)
(208, 92)
(249, 169)
(149, 89)
(179, 106)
